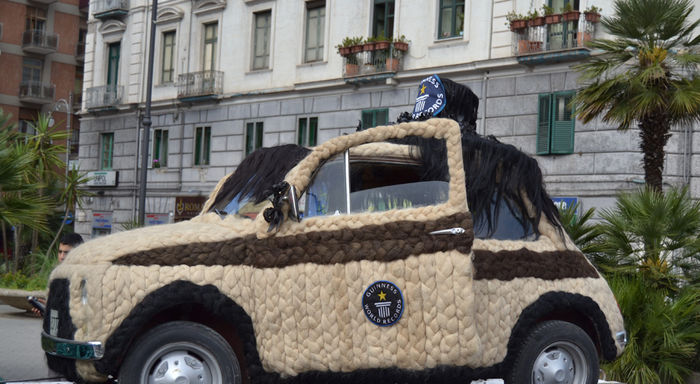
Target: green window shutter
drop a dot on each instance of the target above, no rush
(258, 134)
(313, 131)
(382, 117)
(207, 145)
(198, 146)
(301, 132)
(543, 115)
(563, 122)
(367, 119)
(164, 149)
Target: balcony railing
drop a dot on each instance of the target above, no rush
(104, 97)
(200, 84)
(104, 9)
(36, 92)
(563, 40)
(372, 62)
(39, 41)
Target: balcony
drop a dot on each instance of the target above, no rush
(105, 9)
(106, 97)
(39, 41)
(46, 2)
(199, 86)
(564, 40)
(367, 63)
(80, 51)
(36, 92)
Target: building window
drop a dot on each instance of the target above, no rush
(31, 69)
(36, 19)
(374, 117)
(451, 21)
(210, 41)
(564, 34)
(202, 145)
(261, 40)
(383, 18)
(114, 52)
(307, 132)
(160, 148)
(167, 67)
(26, 127)
(107, 151)
(555, 124)
(253, 136)
(315, 26)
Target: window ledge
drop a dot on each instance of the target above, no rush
(258, 71)
(165, 85)
(450, 42)
(312, 64)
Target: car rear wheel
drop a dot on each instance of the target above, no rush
(181, 352)
(556, 352)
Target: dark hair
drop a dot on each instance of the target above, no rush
(72, 239)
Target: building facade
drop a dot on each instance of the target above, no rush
(234, 75)
(42, 47)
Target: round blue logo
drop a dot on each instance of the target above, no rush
(382, 303)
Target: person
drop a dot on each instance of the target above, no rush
(68, 242)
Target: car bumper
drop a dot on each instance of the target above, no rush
(71, 349)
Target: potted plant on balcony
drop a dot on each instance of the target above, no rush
(401, 43)
(344, 47)
(382, 42)
(549, 16)
(369, 44)
(516, 21)
(569, 13)
(592, 14)
(349, 48)
(534, 19)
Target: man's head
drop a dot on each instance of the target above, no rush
(68, 242)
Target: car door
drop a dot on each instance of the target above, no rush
(378, 272)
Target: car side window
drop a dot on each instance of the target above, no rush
(507, 223)
(377, 183)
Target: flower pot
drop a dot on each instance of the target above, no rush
(344, 51)
(536, 22)
(552, 19)
(351, 69)
(356, 48)
(582, 38)
(571, 15)
(523, 46)
(401, 46)
(392, 64)
(369, 47)
(592, 17)
(381, 45)
(535, 46)
(517, 25)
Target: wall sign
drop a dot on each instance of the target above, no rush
(102, 220)
(103, 178)
(157, 218)
(187, 207)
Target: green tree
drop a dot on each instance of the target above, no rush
(646, 74)
(71, 197)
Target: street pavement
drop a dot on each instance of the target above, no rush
(21, 356)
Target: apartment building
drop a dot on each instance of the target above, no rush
(42, 47)
(234, 75)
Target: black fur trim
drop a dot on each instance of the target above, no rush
(58, 300)
(560, 302)
(256, 174)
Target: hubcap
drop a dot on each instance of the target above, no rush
(181, 363)
(560, 363)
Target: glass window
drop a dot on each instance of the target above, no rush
(506, 223)
(383, 18)
(261, 42)
(378, 183)
(253, 136)
(106, 153)
(210, 41)
(202, 144)
(315, 26)
(555, 123)
(113, 65)
(31, 69)
(374, 117)
(160, 148)
(167, 68)
(307, 131)
(36, 19)
(451, 22)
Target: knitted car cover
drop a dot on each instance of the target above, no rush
(295, 293)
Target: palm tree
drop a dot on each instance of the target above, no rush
(646, 75)
(71, 197)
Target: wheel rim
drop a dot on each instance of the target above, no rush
(181, 363)
(560, 363)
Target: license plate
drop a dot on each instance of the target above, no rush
(53, 322)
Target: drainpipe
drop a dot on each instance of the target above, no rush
(491, 28)
(484, 97)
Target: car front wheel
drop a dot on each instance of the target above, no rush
(181, 352)
(556, 352)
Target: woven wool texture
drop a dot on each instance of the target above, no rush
(306, 313)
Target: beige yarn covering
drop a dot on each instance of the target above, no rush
(309, 317)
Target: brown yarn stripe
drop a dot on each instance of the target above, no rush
(385, 242)
(508, 265)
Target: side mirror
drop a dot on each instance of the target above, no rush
(293, 203)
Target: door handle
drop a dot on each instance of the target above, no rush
(451, 231)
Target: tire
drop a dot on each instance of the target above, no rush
(555, 352)
(180, 350)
